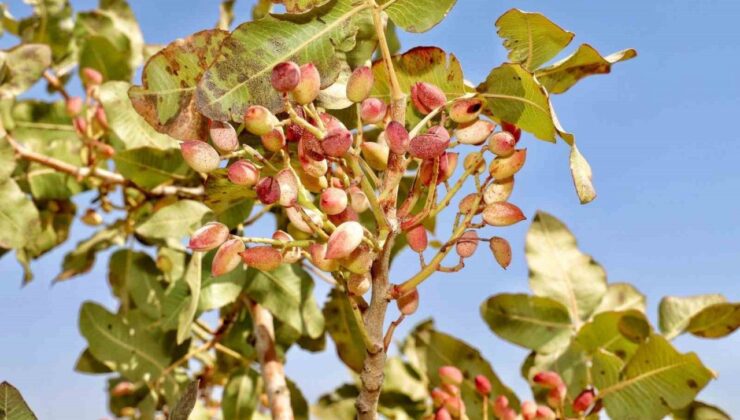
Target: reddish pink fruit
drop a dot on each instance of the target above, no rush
(310, 147)
(556, 396)
(243, 172)
(529, 410)
(475, 132)
(513, 129)
(501, 251)
(296, 218)
(288, 183)
(293, 131)
(398, 137)
(259, 121)
(309, 85)
(467, 244)
(333, 201)
(227, 257)
(455, 406)
(337, 142)
(451, 389)
(417, 238)
(482, 385)
(200, 155)
(208, 237)
(290, 255)
(373, 110)
(408, 303)
(498, 190)
(447, 165)
(548, 379)
(344, 240)
(442, 414)
(318, 258)
(584, 400)
(91, 77)
(428, 146)
(358, 284)
(101, 117)
(347, 215)
(285, 76)
(223, 136)
(502, 214)
(450, 375)
(358, 200)
(274, 140)
(439, 397)
(122, 389)
(465, 110)
(263, 258)
(313, 168)
(502, 143)
(466, 204)
(360, 84)
(426, 97)
(440, 131)
(268, 190)
(74, 105)
(500, 406)
(544, 413)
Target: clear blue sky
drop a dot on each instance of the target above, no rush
(660, 133)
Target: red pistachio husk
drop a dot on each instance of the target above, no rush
(474, 158)
(467, 244)
(500, 406)
(529, 410)
(274, 140)
(502, 214)
(288, 187)
(227, 257)
(309, 85)
(344, 240)
(498, 190)
(455, 406)
(506, 167)
(337, 142)
(296, 218)
(428, 146)
(513, 129)
(333, 201)
(408, 303)
(360, 84)
(223, 136)
(474, 133)
(263, 258)
(358, 284)
(285, 76)
(397, 137)
(318, 258)
(373, 110)
(482, 385)
(91, 77)
(556, 396)
(310, 147)
(121, 389)
(544, 413)
(358, 200)
(268, 190)
(502, 143)
(243, 172)
(583, 401)
(439, 397)
(208, 237)
(259, 121)
(466, 204)
(465, 110)
(290, 255)
(426, 97)
(417, 238)
(548, 379)
(200, 155)
(442, 414)
(501, 251)
(73, 105)
(345, 216)
(450, 375)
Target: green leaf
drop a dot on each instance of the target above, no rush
(297, 401)
(193, 280)
(534, 322)
(604, 332)
(7, 158)
(186, 403)
(127, 345)
(241, 395)
(621, 297)
(56, 218)
(220, 291)
(582, 176)
(169, 79)
(82, 258)
(302, 6)
(129, 127)
(586, 61)
(287, 292)
(240, 76)
(51, 24)
(572, 364)
(150, 167)
(174, 221)
(19, 218)
(656, 380)
(230, 203)
(12, 404)
(87, 363)
(512, 94)
(715, 321)
(135, 273)
(344, 331)
(417, 15)
(337, 405)
(427, 350)
(22, 67)
(698, 410)
(124, 19)
(102, 55)
(421, 64)
(559, 270)
(675, 313)
(531, 38)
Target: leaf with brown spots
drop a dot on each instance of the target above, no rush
(531, 38)
(22, 67)
(715, 321)
(417, 15)
(166, 98)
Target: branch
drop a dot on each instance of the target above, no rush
(272, 369)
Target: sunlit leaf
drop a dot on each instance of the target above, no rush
(150, 167)
(217, 292)
(531, 38)
(417, 15)
(559, 270)
(534, 322)
(135, 274)
(344, 331)
(166, 97)
(186, 403)
(241, 395)
(174, 221)
(19, 218)
(715, 321)
(586, 61)
(621, 297)
(231, 203)
(604, 332)
(192, 278)
(698, 410)
(22, 67)
(676, 312)
(12, 404)
(87, 363)
(582, 176)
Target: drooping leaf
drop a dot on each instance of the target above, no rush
(715, 321)
(166, 97)
(427, 350)
(127, 345)
(531, 38)
(12, 404)
(417, 15)
(621, 297)
(582, 176)
(129, 127)
(698, 410)
(192, 278)
(287, 292)
(7, 157)
(19, 218)
(150, 167)
(81, 259)
(534, 322)
(174, 221)
(87, 363)
(655, 381)
(420, 64)
(135, 274)
(22, 67)
(559, 270)
(231, 203)
(56, 218)
(240, 76)
(186, 403)
(675, 313)
(344, 331)
(241, 394)
(586, 61)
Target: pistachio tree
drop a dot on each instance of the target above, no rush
(308, 121)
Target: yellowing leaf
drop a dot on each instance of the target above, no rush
(417, 15)
(676, 312)
(582, 176)
(12, 404)
(531, 38)
(621, 297)
(21, 67)
(715, 321)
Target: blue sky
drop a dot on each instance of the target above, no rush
(659, 133)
